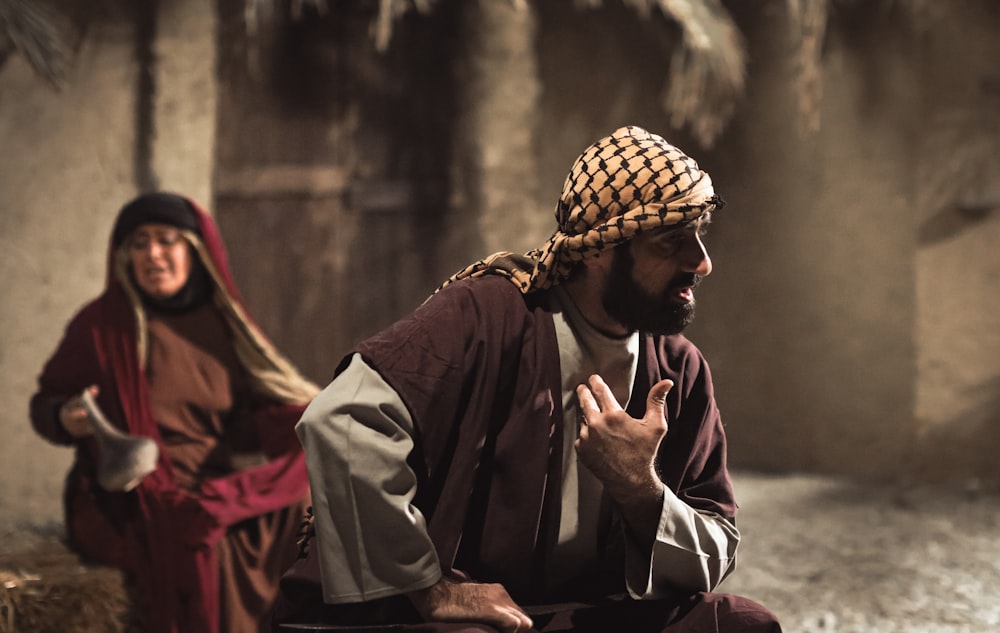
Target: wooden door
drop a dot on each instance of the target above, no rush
(331, 173)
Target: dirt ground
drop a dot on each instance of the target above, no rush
(832, 556)
(829, 556)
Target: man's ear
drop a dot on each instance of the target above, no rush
(590, 274)
(597, 265)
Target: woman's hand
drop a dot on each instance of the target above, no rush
(73, 415)
(450, 601)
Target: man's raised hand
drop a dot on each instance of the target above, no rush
(619, 449)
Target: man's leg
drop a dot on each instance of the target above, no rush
(732, 614)
(699, 613)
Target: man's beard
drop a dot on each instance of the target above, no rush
(637, 309)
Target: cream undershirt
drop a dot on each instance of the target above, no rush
(584, 351)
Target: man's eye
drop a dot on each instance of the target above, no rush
(671, 245)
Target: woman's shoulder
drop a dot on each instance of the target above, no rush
(92, 312)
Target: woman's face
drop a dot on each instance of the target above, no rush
(161, 259)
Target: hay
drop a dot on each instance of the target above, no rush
(45, 589)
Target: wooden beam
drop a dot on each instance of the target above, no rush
(282, 180)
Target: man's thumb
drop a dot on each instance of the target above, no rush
(657, 398)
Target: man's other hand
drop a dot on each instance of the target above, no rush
(450, 601)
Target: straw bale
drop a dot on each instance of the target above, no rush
(45, 588)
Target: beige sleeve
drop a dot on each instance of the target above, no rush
(693, 550)
(372, 540)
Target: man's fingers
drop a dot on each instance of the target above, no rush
(602, 394)
(587, 402)
(516, 620)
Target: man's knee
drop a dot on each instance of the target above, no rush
(737, 614)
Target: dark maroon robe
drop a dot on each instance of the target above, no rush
(165, 532)
(478, 369)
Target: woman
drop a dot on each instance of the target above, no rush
(170, 353)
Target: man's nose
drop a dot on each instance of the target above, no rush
(696, 259)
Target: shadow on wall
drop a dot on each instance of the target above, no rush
(952, 221)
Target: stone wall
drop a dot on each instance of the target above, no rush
(851, 318)
(69, 164)
(957, 215)
(59, 192)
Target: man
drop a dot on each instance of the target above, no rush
(537, 447)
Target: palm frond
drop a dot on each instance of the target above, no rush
(389, 12)
(707, 71)
(30, 27)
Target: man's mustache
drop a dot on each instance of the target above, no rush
(685, 280)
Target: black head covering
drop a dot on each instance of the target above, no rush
(173, 210)
(154, 208)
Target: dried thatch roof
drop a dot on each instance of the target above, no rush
(705, 79)
(706, 74)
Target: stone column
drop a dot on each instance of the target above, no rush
(184, 113)
(494, 202)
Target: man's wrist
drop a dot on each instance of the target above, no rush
(641, 511)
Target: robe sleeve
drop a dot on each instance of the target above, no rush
(696, 540)
(44, 413)
(357, 435)
(72, 367)
(693, 550)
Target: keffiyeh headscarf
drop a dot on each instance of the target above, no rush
(626, 183)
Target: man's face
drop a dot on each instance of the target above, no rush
(650, 285)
